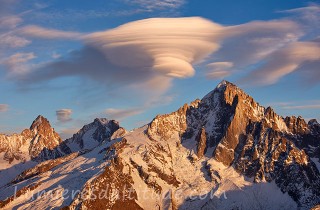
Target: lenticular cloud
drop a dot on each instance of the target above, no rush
(165, 45)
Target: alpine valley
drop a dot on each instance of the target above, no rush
(224, 151)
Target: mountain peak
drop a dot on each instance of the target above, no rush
(225, 83)
(40, 121)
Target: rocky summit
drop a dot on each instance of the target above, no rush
(225, 151)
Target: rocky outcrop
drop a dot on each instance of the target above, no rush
(201, 139)
(296, 125)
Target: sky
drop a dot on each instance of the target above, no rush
(130, 60)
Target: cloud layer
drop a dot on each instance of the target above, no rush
(148, 54)
(144, 57)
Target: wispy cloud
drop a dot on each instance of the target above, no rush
(313, 106)
(284, 62)
(40, 32)
(64, 115)
(299, 105)
(17, 64)
(219, 70)
(8, 40)
(4, 107)
(120, 114)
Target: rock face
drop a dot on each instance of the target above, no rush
(93, 134)
(224, 151)
(38, 143)
(201, 139)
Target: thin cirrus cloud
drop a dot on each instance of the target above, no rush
(157, 5)
(4, 107)
(40, 32)
(311, 106)
(64, 115)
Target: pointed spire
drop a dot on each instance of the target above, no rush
(40, 121)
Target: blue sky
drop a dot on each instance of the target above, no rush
(71, 62)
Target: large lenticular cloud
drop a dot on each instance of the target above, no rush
(169, 46)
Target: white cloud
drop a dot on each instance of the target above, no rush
(64, 115)
(4, 107)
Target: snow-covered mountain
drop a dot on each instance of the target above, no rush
(224, 151)
(93, 134)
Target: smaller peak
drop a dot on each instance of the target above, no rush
(40, 120)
